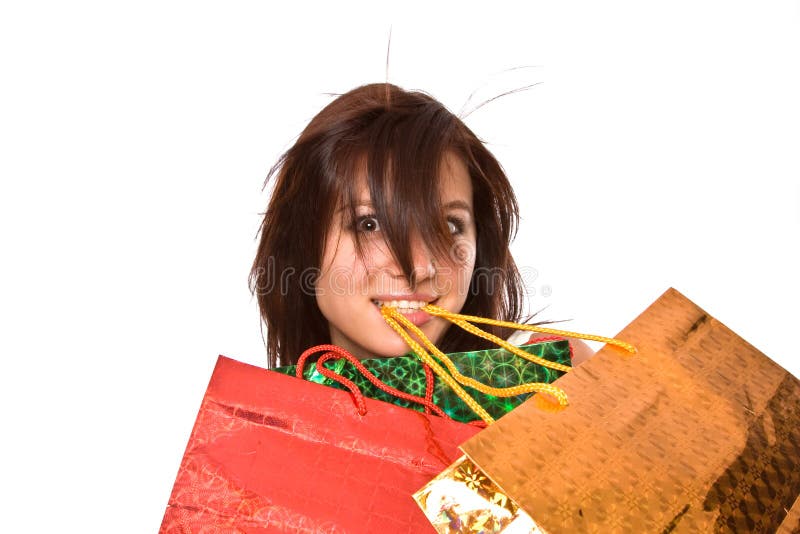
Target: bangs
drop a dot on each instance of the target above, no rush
(398, 159)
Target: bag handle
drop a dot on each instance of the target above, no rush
(455, 379)
(335, 352)
(464, 320)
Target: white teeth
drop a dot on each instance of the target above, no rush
(402, 304)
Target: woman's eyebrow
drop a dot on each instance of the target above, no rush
(458, 204)
(359, 204)
(450, 205)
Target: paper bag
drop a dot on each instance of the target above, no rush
(272, 453)
(698, 432)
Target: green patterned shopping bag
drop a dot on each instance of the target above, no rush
(484, 385)
(497, 368)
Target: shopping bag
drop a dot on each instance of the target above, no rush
(494, 367)
(272, 453)
(697, 432)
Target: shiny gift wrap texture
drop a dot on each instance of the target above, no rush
(698, 432)
(493, 367)
(271, 453)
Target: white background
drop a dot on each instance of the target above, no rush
(660, 149)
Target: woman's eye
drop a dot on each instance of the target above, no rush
(367, 223)
(456, 225)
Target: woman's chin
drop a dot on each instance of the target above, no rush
(388, 345)
(394, 347)
(392, 352)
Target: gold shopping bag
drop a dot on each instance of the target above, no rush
(697, 432)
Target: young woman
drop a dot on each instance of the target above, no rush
(385, 198)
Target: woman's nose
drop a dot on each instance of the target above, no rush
(421, 262)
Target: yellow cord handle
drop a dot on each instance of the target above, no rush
(426, 358)
(468, 381)
(472, 329)
(391, 314)
(455, 379)
(455, 318)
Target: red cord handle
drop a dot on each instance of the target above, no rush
(334, 352)
(358, 397)
(428, 385)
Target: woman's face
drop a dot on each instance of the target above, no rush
(348, 287)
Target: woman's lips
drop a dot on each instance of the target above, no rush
(417, 317)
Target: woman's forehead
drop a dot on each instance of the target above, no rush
(455, 185)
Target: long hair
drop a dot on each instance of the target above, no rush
(400, 138)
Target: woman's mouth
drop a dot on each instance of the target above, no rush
(411, 309)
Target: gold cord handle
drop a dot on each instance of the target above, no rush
(455, 379)
(441, 312)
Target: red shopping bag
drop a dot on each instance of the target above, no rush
(272, 453)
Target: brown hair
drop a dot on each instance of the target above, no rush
(400, 138)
